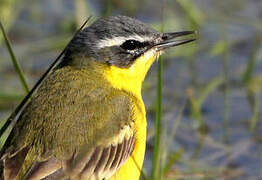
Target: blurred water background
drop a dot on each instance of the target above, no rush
(212, 125)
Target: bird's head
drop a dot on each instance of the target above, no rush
(121, 48)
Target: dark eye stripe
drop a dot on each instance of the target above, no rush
(133, 44)
(130, 45)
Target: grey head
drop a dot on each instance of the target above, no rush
(116, 40)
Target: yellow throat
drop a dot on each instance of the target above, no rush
(131, 79)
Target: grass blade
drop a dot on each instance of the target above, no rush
(175, 156)
(193, 13)
(5, 134)
(255, 109)
(156, 172)
(210, 87)
(15, 63)
(158, 126)
(2, 122)
(196, 113)
(247, 76)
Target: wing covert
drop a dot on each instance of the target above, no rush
(96, 133)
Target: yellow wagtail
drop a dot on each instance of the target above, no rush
(87, 119)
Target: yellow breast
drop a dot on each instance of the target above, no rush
(130, 80)
(131, 170)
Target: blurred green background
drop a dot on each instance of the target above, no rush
(211, 121)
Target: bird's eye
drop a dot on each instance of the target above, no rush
(130, 44)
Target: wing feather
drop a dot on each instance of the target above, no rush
(40, 170)
(101, 163)
(103, 160)
(90, 138)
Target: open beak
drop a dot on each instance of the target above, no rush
(174, 39)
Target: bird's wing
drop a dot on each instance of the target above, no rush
(95, 163)
(67, 131)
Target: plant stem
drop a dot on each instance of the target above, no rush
(156, 170)
(15, 63)
(156, 154)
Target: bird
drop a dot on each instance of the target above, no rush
(87, 119)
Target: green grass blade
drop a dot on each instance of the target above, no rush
(210, 87)
(249, 70)
(5, 135)
(156, 169)
(247, 76)
(3, 128)
(253, 91)
(196, 113)
(158, 126)
(2, 122)
(175, 156)
(193, 13)
(15, 63)
(176, 124)
(10, 97)
(255, 109)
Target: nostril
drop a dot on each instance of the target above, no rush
(165, 37)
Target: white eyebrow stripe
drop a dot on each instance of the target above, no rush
(117, 41)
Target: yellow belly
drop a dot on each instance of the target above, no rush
(131, 170)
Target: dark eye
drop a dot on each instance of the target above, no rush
(130, 44)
